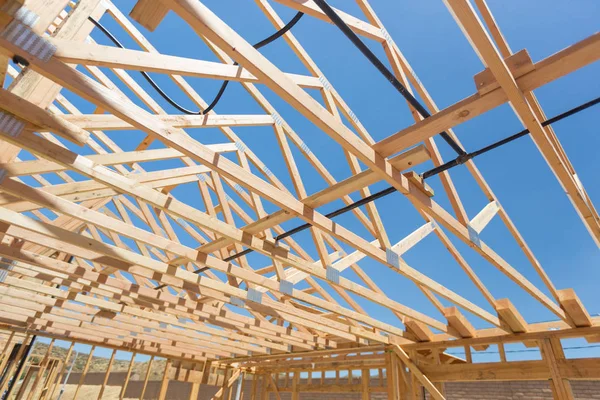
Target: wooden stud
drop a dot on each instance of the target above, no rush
(107, 374)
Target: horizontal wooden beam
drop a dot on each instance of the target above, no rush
(557, 65)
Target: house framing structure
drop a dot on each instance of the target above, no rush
(77, 266)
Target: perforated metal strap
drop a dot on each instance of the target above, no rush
(7, 265)
(277, 118)
(240, 146)
(324, 82)
(26, 16)
(27, 40)
(10, 125)
(305, 148)
(20, 12)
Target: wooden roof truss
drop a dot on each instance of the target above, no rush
(78, 263)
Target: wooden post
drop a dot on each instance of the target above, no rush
(551, 352)
(254, 386)
(275, 388)
(418, 376)
(390, 360)
(41, 371)
(107, 374)
(295, 383)
(62, 370)
(7, 376)
(224, 387)
(6, 350)
(146, 378)
(195, 390)
(365, 380)
(31, 371)
(84, 372)
(264, 393)
(165, 381)
(50, 380)
(436, 356)
(124, 388)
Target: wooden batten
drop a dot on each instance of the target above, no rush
(519, 64)
(570, 302)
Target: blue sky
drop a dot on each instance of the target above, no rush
(446, 64)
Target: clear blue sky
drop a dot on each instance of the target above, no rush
(445, 62)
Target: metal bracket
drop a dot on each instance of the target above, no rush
(254, 295)
(10, 125)
(474, 236)
(286, 287)
(236, 301)
(332, 274)
(21, 13)
(391, 257)
(27, 40)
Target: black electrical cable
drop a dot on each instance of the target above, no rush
(224, 85)
(347, 31)
(428, 174)
(462, 159)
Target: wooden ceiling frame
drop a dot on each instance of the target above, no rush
(143, 289)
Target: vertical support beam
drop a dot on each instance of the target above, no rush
(225, 386)
(552, 351)
(165, 380)
(50, 380)
(275, 388)
(124, 388)
(240, 386)
(436, 357)
(23, 388)
(195, 390)
(146, 378)
(62, 369)
(416, 372)
(11, 370)
(41, 371)
(295, 383)
(6, 350)
(254, 387)
(264, 393)
(390, 376)
(365, 380)
(107, 374)
(206, 372)
(84, 372)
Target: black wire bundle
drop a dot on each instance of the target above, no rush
(217, 98)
